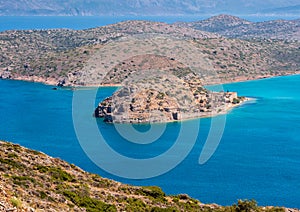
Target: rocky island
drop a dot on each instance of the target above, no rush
(160, 89)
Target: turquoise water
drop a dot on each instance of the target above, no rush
(258, 156)
(85, 22)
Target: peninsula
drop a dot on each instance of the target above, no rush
(61, 56)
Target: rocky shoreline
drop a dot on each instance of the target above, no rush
(105, 110)
(56, 82)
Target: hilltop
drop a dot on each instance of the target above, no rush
(33, 181)
(64, 57)
(235, 27)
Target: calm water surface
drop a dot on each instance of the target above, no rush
(85, 22)
(258, 156)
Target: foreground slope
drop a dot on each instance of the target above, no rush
(30, 180)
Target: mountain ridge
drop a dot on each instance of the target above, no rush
(235, 27)
(139, 7)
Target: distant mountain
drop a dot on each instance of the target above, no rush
(234, 27)
(140, 7)
(217, 24)
(285, 10)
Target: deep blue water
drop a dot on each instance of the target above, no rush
(85, 22)
(258, 156)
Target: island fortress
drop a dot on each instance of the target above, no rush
(160, 110)
(172, 94)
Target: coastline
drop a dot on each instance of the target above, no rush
(54, 81)
(212, 115)
(228, 108)
(258, 77)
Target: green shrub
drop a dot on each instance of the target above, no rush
(12, 163)
(42, 169)
(43, 195)
(60, 175)
(152, 191)
(91, 204)
(22, 180)
(12, 155)
(136, 205)
(16, 202)
(246, 206)
(56, 173)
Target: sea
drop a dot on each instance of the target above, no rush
(86, 22)
(256, 155)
